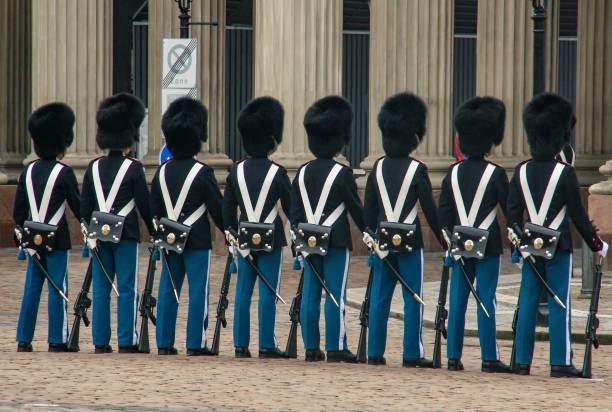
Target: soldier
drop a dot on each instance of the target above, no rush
(44, 188)
(255, 185)
(322, 192)
(480, 185)
(114, 186)
(394, 187)
(184, 191)
(548, 189)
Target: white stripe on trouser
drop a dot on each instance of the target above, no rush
(65, 311)
(203, 344)
(421, 348)
(278, 285)
(495, 307)
(134, 333)
(342, 327)
(568, 343)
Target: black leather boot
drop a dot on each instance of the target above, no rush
(199, 352)
(346, 356)
(24, 347)
(455, 365)
(128, 349)
(167, 351)
(565, 372)
(242, 352)
(522, 369)
(314, 355)
(58, 347)
(496, 366)
(103, 349)
(271, 353)
(377, 360)
(417, 363)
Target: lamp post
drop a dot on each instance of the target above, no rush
(184, 6)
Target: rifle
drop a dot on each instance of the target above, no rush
(294, 315)
(147, 304)
(440, 323)
(222, 305)
(364, 320)
(92, 244)
(80, 311)
(514, 323)
(592, 323)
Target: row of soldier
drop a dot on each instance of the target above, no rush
(184, 192)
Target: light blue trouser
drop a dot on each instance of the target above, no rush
(334, 269)
(56, 264)
(383, 285)
(557, 273)
(269, 263)
(487, 274)
(120, 259)
(196, 264)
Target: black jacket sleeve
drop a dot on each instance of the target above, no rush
(88, 197)
(351, 198)
(427, 203)
(370, 204)
(575, 209)
(141, 197)
(21, 207)
(284, 189)
(70, 191)
(157, 201)
(230, 203)
(446, 208)
(501, 189)
(514, 203)
(213, 197)
(297, 214)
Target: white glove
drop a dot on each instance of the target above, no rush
(604, 249)
(229, 237)
(231, 250)
(91, 243)
(367, 239)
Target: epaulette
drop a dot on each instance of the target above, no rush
(201, 162)
(279, 165)
(242, 159)
(494, 164)
(523, 162)
(563, 163)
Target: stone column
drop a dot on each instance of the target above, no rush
(298, 59)
(594, 106)
(594, 94)
(164, 23)
(504, 56)
(411, 46)
(551, 76)
(15, 90)
(72, 60)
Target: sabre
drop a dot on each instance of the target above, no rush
(232, 238)
(516, 241)
(36, 258)
(461, 265)
(92, 244)
(373, 245)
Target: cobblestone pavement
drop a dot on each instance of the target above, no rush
(84, 381)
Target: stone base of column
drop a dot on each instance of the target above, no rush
(11, 167)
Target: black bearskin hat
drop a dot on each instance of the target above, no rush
(185, 125)
(119, 118)
(548, 120)
(51, 127)
(261, 125)
(402, 122)
(328, 126)
(480, 124)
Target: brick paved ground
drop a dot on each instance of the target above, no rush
(84, 381)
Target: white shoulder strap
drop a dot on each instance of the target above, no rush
(174, 212)
(254, 215)
(464, 218)
(393, 213)
(539, 216)
(314, 218)
(105, 205)
(39, 214)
